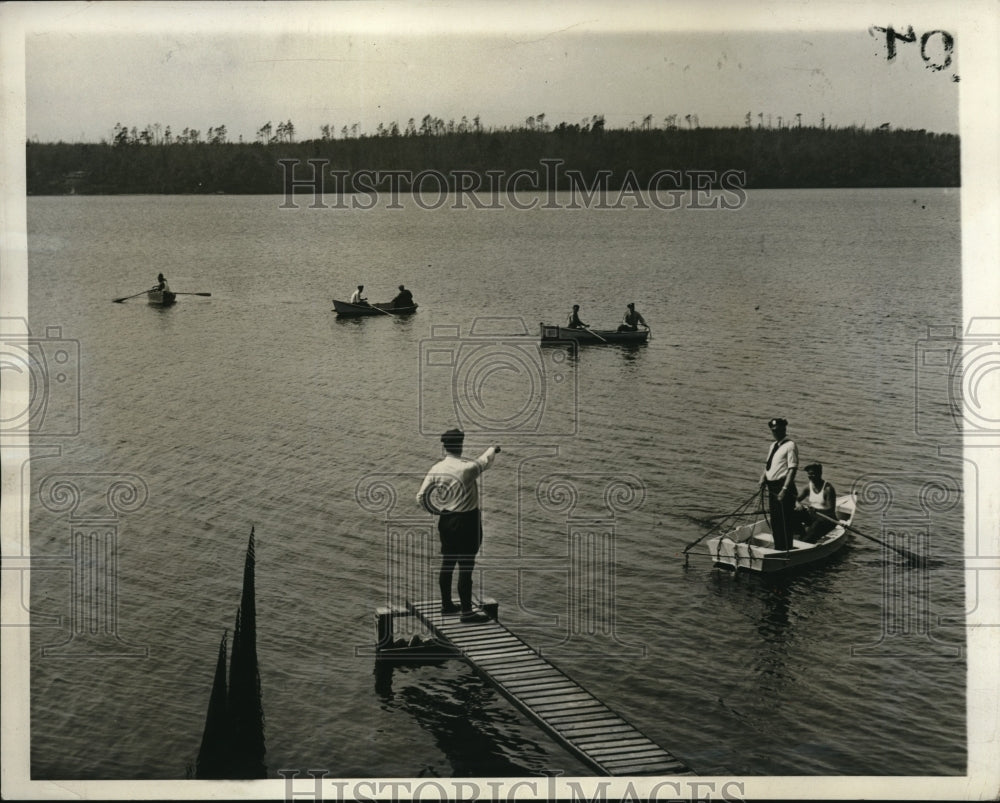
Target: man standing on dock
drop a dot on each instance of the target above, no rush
(450, 491)
(779, 477)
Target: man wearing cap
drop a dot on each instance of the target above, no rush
(779, 477)
(819, 496)
(450, 491)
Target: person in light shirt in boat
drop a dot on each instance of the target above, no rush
(574, 319)
(632, 320)
(818, 496)
(358, 298)
(450, 491)
(161, 284)
(778, 477)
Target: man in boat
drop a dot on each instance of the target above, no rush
(404, 298)
(818, 496)
(161, 284)
(574, 319)
(358, 298)
(632, 320)
(450, 491)
(778, 477)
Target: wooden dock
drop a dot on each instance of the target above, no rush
(569, 713)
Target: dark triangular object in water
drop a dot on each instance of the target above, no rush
(215, 754)
(246, 712)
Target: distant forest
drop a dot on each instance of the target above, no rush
(154, 160)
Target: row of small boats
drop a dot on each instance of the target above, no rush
(550, 334)
(747, 547)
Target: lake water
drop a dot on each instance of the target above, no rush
(258, 408)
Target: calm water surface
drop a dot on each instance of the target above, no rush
(258, 408)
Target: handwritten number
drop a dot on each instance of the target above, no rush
(891, 35)
(947, 44)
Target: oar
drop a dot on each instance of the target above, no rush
(372, 306)
(126, 298)
(192, 294)
(595, 334)
(719, 525)
(911, 556)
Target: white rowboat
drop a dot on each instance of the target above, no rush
(750, 547)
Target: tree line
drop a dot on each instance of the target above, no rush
(789, 156)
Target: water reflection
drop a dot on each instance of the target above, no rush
(775, 606)
(476, 735)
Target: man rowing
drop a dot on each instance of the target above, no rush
(403, 299)
(818, 497)
(357, 297)
(574, 319)
(632, 320)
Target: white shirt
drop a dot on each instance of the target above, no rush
(450, 486)
(786, 457)
(356, 297)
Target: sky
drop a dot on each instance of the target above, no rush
(202, 65)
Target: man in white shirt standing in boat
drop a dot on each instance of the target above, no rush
(779, 478)
(451, 491)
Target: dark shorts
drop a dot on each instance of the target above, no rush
(461, 533)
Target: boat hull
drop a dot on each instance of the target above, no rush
(560, 334)
(347, 310)
(160, 298)
(751, 546)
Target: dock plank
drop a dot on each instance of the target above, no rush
(569, 713)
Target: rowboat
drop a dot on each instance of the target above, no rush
(347, 310)
(750, 547)
(161, 298)
(556, 334)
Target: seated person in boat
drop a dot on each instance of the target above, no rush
(161, 284)
(819, 496)
(358, 298)
(631, 321)
(574, 319)
(404, 298)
